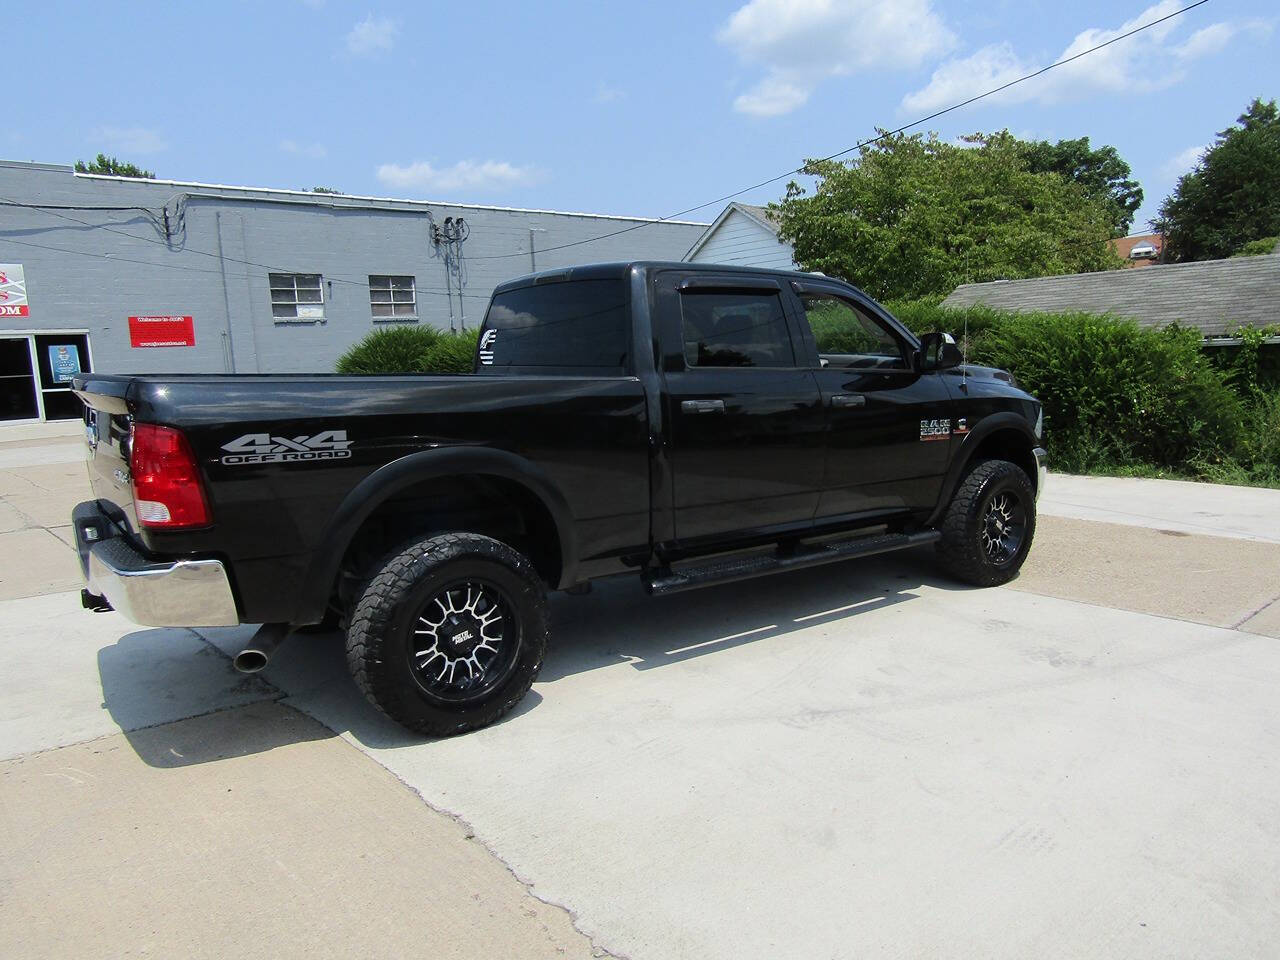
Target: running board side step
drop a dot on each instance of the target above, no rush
(727, 570)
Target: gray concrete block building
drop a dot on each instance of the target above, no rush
(133, 276)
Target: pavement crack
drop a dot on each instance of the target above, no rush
(1249, 616)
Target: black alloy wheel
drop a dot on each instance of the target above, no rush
(1004, 524)
(988, 527)
(449, 633)
(466, 642)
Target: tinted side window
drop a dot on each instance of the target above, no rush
(841, 328)
(735, 330)
(579, 324)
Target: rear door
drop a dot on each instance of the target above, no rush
(745, 438)
(888, 424)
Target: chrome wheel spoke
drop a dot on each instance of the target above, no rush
(460, 645)
(1002, 527)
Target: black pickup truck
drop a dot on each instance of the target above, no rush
(670, 420)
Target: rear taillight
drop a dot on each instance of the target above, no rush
(167, 493)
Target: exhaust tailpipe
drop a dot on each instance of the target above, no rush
(257, 652)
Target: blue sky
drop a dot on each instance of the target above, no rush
(623, 108)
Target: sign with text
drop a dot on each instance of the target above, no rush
(13, 291)
(64, 361)
(162, 332)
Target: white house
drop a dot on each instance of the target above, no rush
(743, 234)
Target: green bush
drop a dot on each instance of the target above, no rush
(390, 349)
(407, 348)
(451, 353)
(1256, 459)
(1258, 248)
(926, 316)
(1114, 392)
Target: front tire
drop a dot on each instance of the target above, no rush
(449, 634)
(989, 524)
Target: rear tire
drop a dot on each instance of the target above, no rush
(989, 524)
(449, 634)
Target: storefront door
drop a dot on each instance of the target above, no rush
(17, 380)
(35, 375)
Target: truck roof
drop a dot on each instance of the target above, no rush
(620, 268)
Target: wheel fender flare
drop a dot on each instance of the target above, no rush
(964, 456)
(392, 478)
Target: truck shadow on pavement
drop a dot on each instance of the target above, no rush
(152, 677)
(617, 622)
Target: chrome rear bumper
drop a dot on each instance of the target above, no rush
(169, 593)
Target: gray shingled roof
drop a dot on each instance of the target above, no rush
(1213, 295)
(758, 213)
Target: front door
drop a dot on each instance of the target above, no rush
(60, 356)
(17, 380)
(889, 425)
(745, 418)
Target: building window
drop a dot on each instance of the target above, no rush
(296, 296)
(392, 298)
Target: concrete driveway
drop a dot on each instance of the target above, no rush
(862, 760)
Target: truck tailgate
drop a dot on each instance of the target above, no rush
(106, 424)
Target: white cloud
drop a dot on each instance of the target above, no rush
(134, 140)
(1147, 61)
(800, 43)
(312, 151)
(1183, 162)
(956, 80)
(463, 175)
(1207, 41)
(607, 94)
(774, 95)
(371, 35)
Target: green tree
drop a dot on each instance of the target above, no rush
(330, 190)
(1101, 172)
(113, 167)
(914, 217)
(1232, 197)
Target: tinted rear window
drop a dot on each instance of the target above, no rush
(579, 325)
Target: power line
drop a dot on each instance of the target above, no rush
(68, 206)
(873, 140)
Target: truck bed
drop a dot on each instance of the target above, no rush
(289, 459)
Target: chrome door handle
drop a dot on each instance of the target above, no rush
(702, 406)
(848, 400)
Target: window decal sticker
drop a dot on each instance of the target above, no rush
(486, 346)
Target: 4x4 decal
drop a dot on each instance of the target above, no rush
(264, 448)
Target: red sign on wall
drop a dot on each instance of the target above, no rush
(162, 332)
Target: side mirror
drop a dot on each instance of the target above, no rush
(938, 351)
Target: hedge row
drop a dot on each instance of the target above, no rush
(411, 349)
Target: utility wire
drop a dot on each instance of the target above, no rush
(72, 206)
(867, 143)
